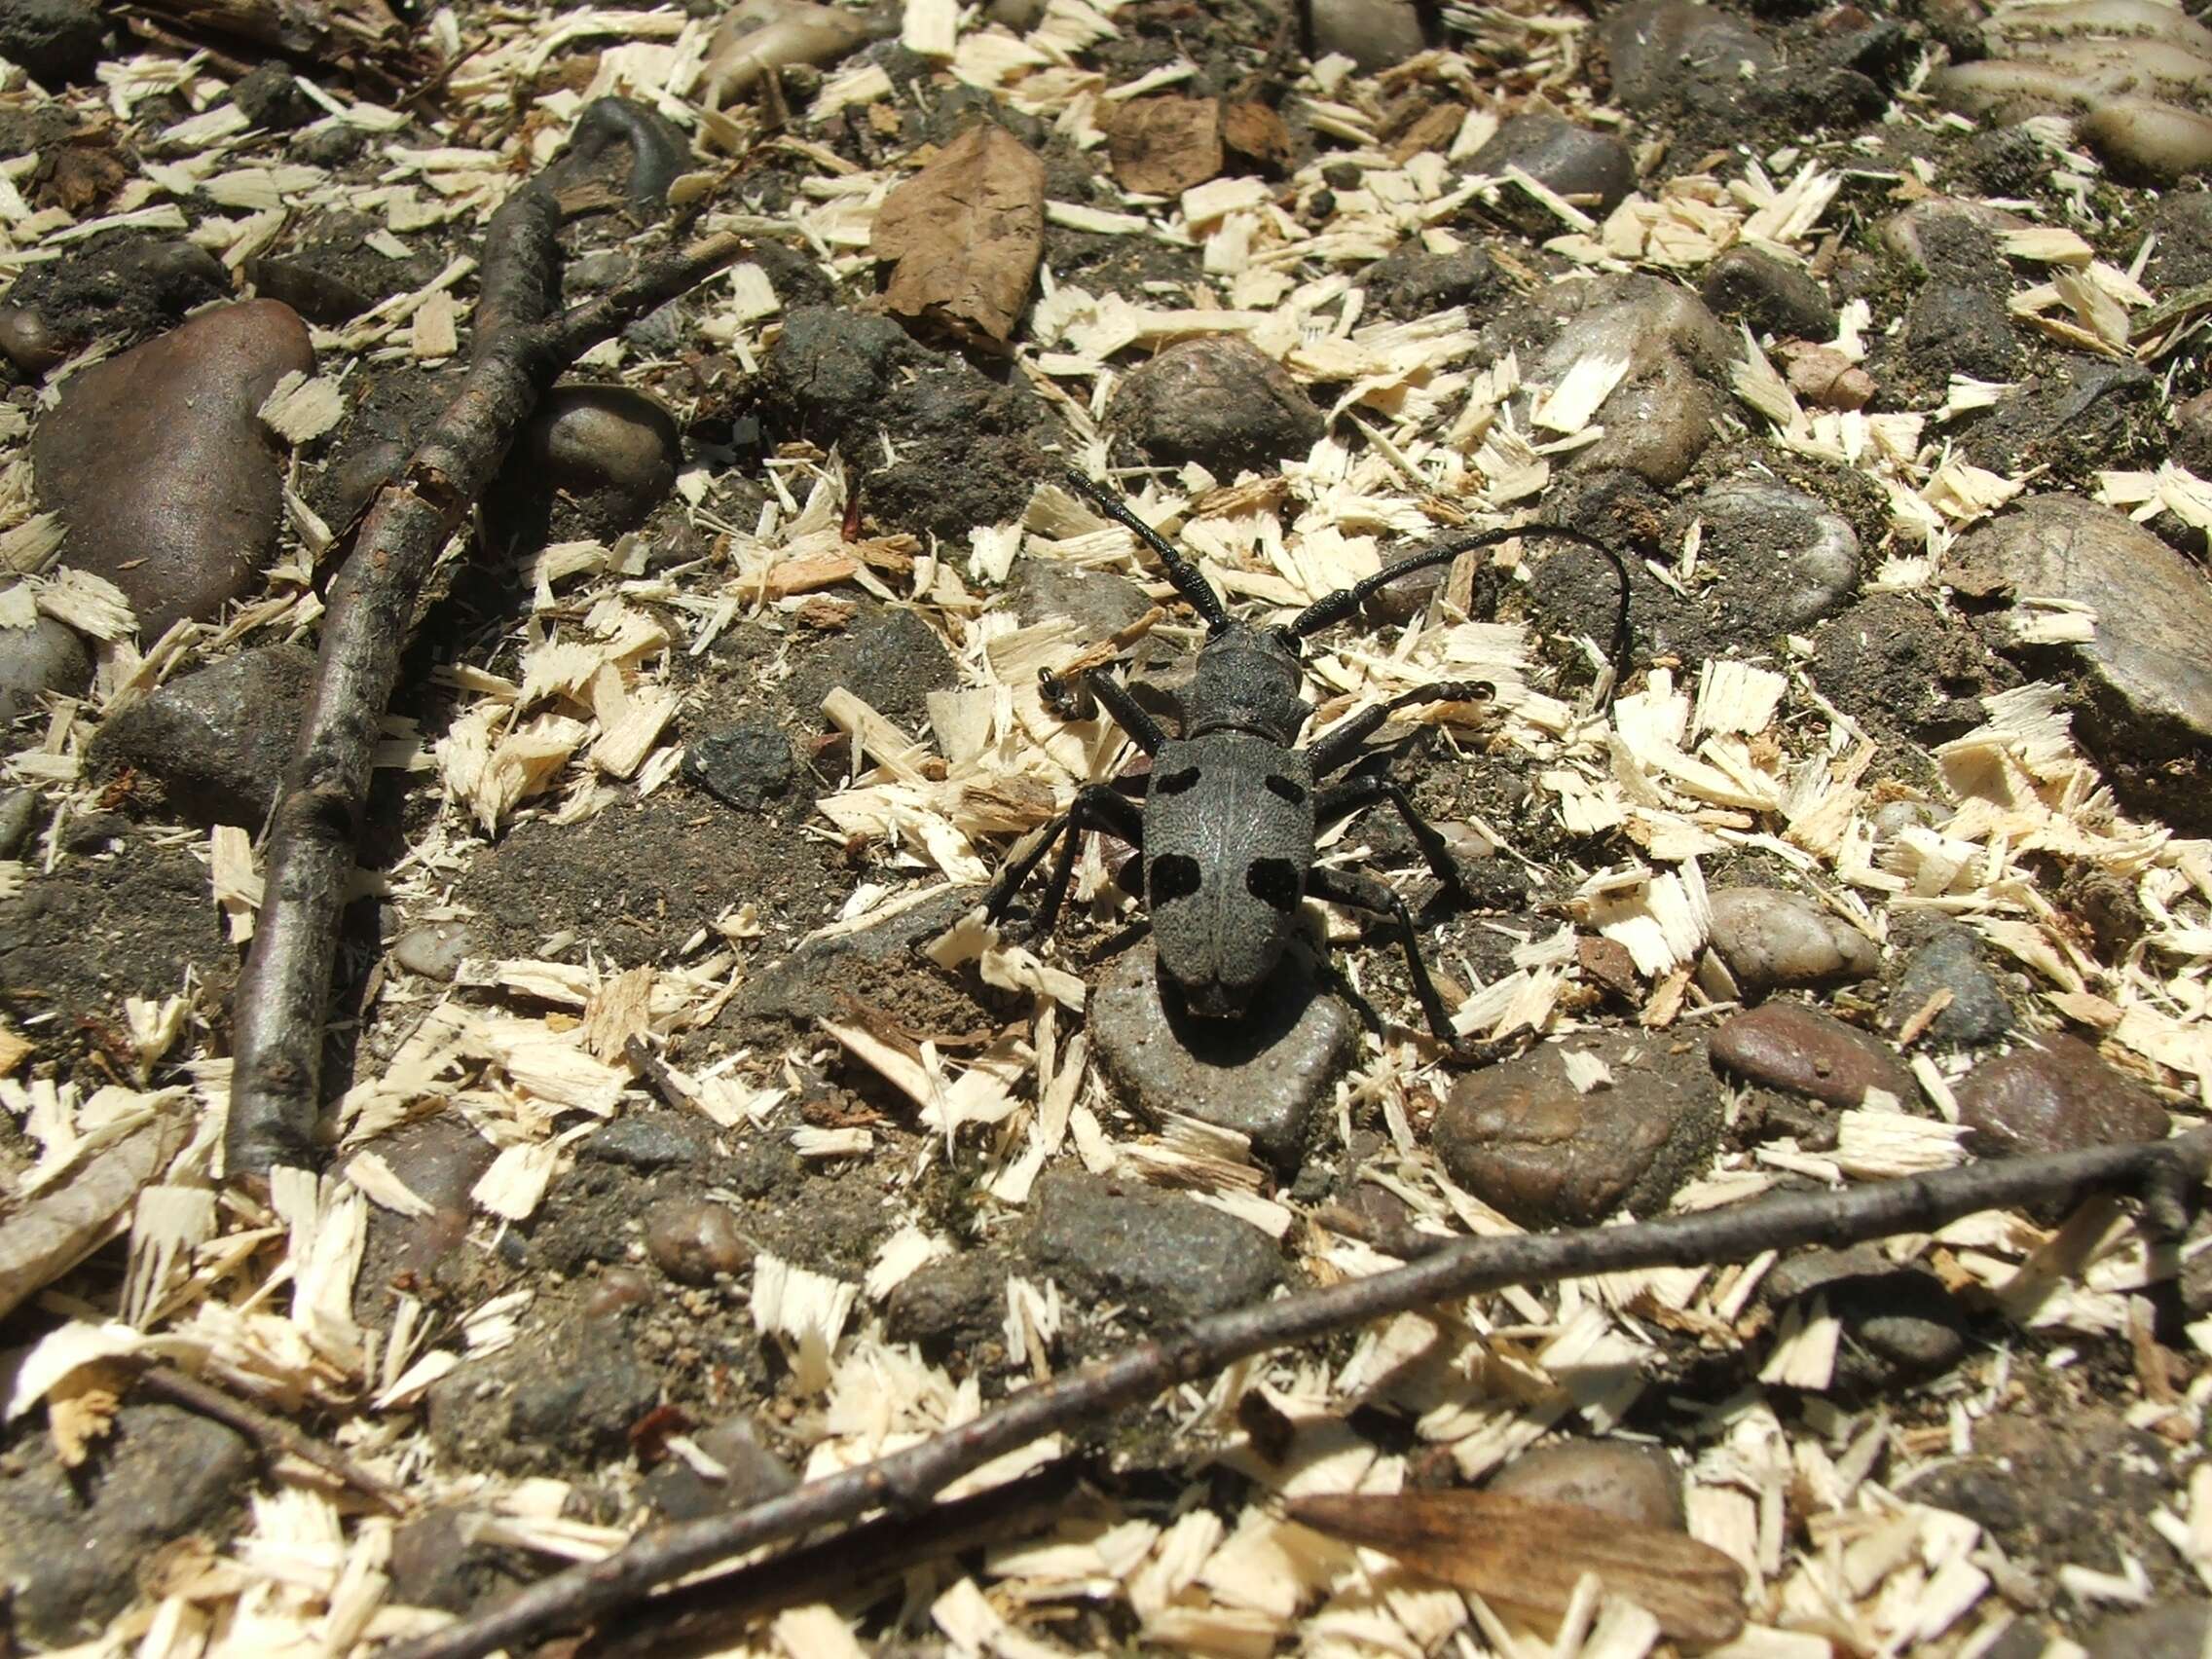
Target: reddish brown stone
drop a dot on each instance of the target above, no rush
(1790, 1047)
(2055, 1096)
(1521, 1138)
(160, 466)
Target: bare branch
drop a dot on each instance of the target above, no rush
(521, 346)
(907, 1480)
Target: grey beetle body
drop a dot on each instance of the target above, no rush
(1232, 805)
(1229, 842)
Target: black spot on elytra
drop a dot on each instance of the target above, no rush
(1173, 876)
(1274, 883)
(1175, 783)
(1285, 789)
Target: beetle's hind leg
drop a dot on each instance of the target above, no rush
(1339, 802)
(1368, 893)
(1095, 807)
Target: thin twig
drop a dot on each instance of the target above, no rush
(905, 1481)
(273, 1435)
(520, 347)
(714, 1613)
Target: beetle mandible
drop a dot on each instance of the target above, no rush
(1232, 805)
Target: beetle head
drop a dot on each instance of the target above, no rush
(1248, 679)
(1218, 954)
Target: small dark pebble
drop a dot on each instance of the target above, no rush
(72, 1543)
(1572, 159)
(647, 1141)
(332, 145)
(1978, 1012)
(57, 42)
(1171, 1256)
(1955, 330)
(18, 811)
(1772, 295)
(436, 950)
(754, 1475)
(956, 1301)
(436, 1563)
(745, 767)
(270, 97)
(1219, 401)
(218, 738)
(568, 1391)
(1903, 1318)
(1415, 282)
(47, 656)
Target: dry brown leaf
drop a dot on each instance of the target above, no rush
(1256, 132)
(967, 233)
(1530, 1556)
(1164, 146)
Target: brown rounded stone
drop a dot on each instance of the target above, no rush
(586, 438)
(2055, 1096)
(26, 342)
(692, 1240)
(160, 466)
(615, 1289)
(1521, 1138)
(1637, 1484)
(1789, 1045)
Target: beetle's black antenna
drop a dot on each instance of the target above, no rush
(1338, 605)
(1185, 577)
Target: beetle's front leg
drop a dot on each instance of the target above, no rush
(1341, 744)
(1078, 696)
(1095, 807)
(1066, 697)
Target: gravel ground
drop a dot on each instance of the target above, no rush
(690, 1133)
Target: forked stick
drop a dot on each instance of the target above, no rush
(521, 346)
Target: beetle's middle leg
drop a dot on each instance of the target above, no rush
(1095, 807)
(1341, 744)
(1368, 893)
(1339, 802)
